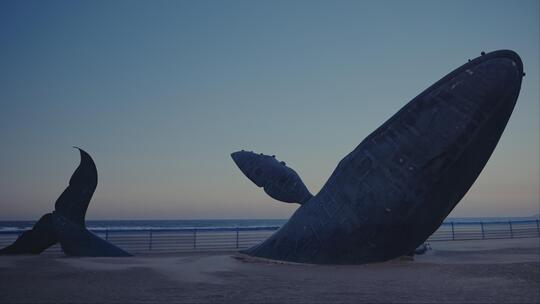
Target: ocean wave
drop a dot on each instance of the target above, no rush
(147, 228)
(179, 225)
(16, 229)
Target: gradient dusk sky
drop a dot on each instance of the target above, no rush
(161, 92)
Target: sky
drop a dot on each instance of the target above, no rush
(161, 92)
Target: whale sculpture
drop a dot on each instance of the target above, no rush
(66, 224)
(389, 194)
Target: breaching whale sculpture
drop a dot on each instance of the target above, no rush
(66, 224)
(394, 190)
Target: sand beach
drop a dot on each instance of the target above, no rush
(489, 271)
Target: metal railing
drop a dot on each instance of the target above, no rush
(486, 230)
(142, 241)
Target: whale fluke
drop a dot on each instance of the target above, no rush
(70, 211)
(73, 202)
(66, 224)
(279, 181)
(35, 240)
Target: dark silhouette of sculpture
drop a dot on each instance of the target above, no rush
(389, 194)
(66, 224)
(76, 240)
(35, 240)
(277, 180)
(73, 202)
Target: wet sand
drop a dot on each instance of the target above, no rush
(489, 271)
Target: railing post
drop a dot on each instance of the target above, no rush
(237, 233)
(453, 234)
(150, 241)
(482, 226)
(107, 234)
(511, 232)
(195, 238)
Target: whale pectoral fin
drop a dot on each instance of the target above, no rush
(279, 181)
(76, 240)
(73, 202)
(294, 191)
(35, 240)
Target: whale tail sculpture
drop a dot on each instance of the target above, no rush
(66, 224)
(389, 194)
(73, 202)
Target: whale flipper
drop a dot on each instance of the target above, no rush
(35, 240)
(73, 202)
(397, 186)
(279, 181)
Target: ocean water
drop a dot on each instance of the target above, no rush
(155, 224)
(211, 223)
